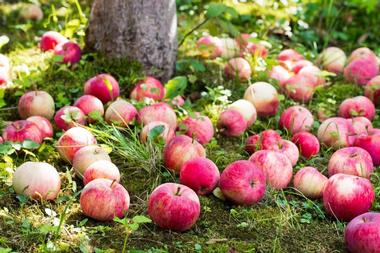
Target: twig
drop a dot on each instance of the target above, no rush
(192, 30)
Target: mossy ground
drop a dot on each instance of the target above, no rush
(284, 221)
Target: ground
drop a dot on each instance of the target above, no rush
(284, 221)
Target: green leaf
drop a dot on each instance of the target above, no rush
(134, 226)
(123, 221)
(175, 86)
(29, 144)
(215, 9)
(5, 148)
(218, 193)
(5, 250)
(155, 132)
(141, 219)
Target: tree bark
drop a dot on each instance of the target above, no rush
(144, 30)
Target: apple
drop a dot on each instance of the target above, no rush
(371, 143)
(32, 12)
(372, 90)
(73, 140)
(177, 101)
(86, 156)
(264, 97)
(297, 119)
(247, 46)
(103, 86)
(200, 174)
(276, 167)
(229, 48)
(174, 206)
(199, 127)
(333, 132)
(68, 117)
(36, 103)
(243, 182)
(103, 199)
(120, 112)
(246, 109)
(280, 74)
(4, 76)
(232, 123)
(300, 65)
(290, 55)
(181, 149)
(158, 112)
(21, 130)
(332, 59)
(210, 47)
(307, 144)
(253, 143)
(357, 106)
(374, 131)
(310, 182)
(157, 130)
(270, 138)
(362, 234)
(358, 126)
(361, 53)
(238, 68)
(352, 161)
(91, 106)
(69, 50)
(361, 71)
(150, 87)
(347, 196)
(37, 180)
(101, 169)
(43, 125)
(300, 87)
(50, 40)
(315, 73)
(287, 148)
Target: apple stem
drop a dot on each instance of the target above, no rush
(178, 190)
(113, 183)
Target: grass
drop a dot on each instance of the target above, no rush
(284, 221)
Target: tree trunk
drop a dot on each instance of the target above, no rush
(144, 30)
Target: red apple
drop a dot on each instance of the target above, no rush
(68, 117)
(371, 143)
(200, 174)
(315, 73)
(70, 51)
(102, 86)
(21, 130)
(310, 182)
(174, 206)
(243, 183)
(300, 65)
(347, 196)
(300, 87)
(238, 68)
(357, 106)
(270, 138)
(43, 125)
(158, 112)
(352, 161)
(199, 127)
(36, 103)
(50, 40)
(280, 74)
(296, 119)
(264, 97)
(210, 47)
(253, 143)
(177, 101)
(150, 87)
(307, 144)
(120, 112)
(232, 123)
(361, 53)
(101, 169)
(90, 105)
(358, 126)
(362, 234)
(37, 180)
(72, 140)
(332, 59)
(246, 109)
(372, 90)
(229, 48)
(289, 55)
(361, 71)
(86, 156)
(165, 132)
(333, 132)
(276, 167)
(180, 150)
(103, 199)
(287, 148)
